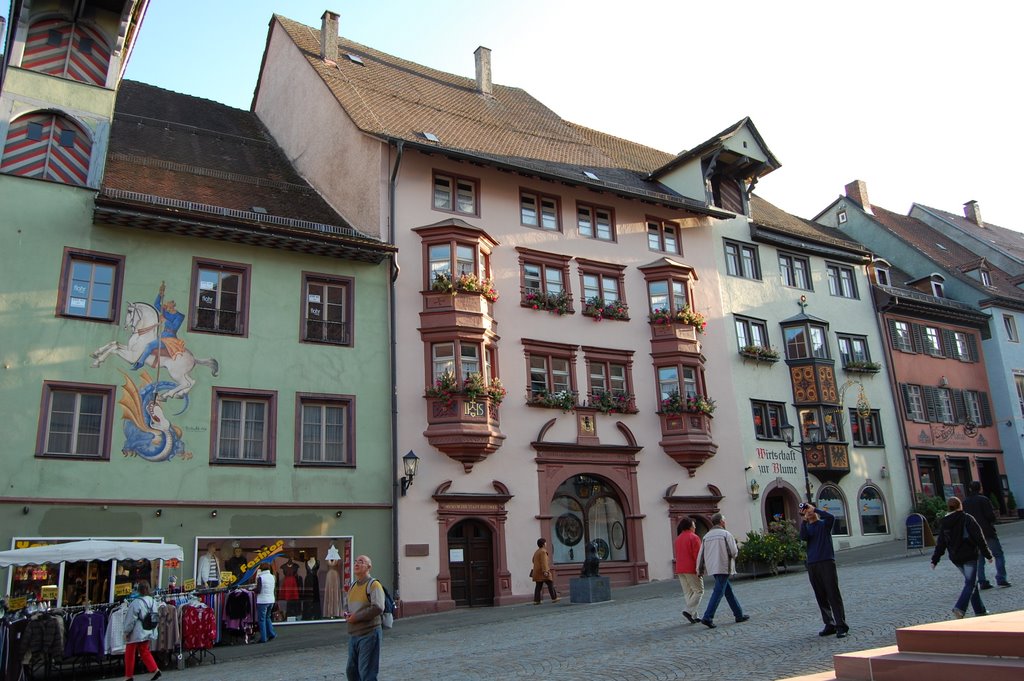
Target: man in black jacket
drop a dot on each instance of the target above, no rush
(979, 506)
(960, 534)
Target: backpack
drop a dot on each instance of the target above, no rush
(387, 618)
(150, 620)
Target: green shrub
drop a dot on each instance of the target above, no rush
(761, 548)
(932, 508)
(793, 549)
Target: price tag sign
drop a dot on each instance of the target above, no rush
(48, 592)
(123, 589)
(226, 578)
(18, 603)
(172, 563)
(190, 585)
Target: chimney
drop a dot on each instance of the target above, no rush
(857, 191)
(483, 71)
(973, 213)
(329, 36)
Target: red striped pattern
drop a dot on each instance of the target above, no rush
(68, 58)
(47, 158)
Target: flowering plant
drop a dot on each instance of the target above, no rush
(610, 401)
(687, 315)
(695, 404)
(563, 399)
(552, 302)
(760, 352)
(496, 391)
(862, 365)
(447, 387)
(597, 308)
(469, 283)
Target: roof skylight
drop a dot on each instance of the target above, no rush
(355, 58)
(431, 136)
(591, 175)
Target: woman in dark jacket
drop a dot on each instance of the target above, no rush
(960, 534)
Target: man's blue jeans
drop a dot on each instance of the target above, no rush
(970, 591)
(722, 588)
(363, 656)
(997, 552)
(266, 625)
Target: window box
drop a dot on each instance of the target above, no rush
(566, 400)
(760, 354)
(687, 316)
(862, 367)
(677, 404)
(686, 438)
(613, 402)
(464, 283)
(558, 303)
(599, 309)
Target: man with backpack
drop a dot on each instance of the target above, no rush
(366, 605)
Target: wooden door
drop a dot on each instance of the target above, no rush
(471, 564)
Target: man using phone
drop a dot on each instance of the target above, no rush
(816, 530)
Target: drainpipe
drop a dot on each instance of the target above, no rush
(394, 378)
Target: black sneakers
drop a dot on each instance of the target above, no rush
(829, 630)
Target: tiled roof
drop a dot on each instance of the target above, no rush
(398, 99)
(947, 253)
(1001, 237)
(768, 215)
(173, 153)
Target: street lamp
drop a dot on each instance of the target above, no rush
(812, 436)
(410, 462)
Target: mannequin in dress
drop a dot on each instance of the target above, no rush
(289, 592)
(311, 591)
(333, 606)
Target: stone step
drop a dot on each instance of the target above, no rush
(820, 676)
(999, 635)
(856, 666)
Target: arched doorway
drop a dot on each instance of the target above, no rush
(780, 502)
(471, 563)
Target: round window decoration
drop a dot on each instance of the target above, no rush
(603, 551)
(618, 535)
(569, 529)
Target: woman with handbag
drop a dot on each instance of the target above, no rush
(138, 634)
(541, 573)
(960, 535)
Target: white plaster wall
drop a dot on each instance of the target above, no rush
(347, 167)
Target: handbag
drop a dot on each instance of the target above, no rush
(531, 573)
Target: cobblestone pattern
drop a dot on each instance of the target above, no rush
(645, 636)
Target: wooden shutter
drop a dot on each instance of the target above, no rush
(906, 399)
(959, 406)
(931, 403)
(972, 347)
(917, 338)
(986, 411)
(948, 343)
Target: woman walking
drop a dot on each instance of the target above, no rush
(960, 534)
(137, 637)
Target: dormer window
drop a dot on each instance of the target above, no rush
(938, 289)
(882, 276)
(986, 278)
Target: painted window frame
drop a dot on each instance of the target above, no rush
(688, 379)
(347, 285)
(243, 271)
(545, 262)
(742, 260)
(792, 268)
(851, 353)
(607, 358)
(539, 199)
(815, 345)
(885, 510)
(745, 331)
(1010, 325)
(843, 529)
(64, 288)
(595, 232)
(221, 395)
(762, 412)
(44, 431)
(461, 362)
(548, 352)
(842, 281)
(347, 403)
(456, 182)
(607, 274)
(657, 229)
(860, 426)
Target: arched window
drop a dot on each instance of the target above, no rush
(871, 506)
(60, 48)
(831, 500)
(586, 509)
(47, 146)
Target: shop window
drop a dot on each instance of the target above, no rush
(585, 510)
(327, 309)
(769, 417)
(537, 210)
(220, 297)
(49, 147)
(663, 235)
(60, 48)
(90, 285)
(594, 222)
(456, 194)
(77, 420)
(871, 506)
(866, 431)
(244, 426)
(327, 430)
(830, 499)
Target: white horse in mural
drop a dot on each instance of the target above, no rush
(143, 321)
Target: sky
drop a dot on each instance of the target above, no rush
(917, 99)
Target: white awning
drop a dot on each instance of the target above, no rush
(91, 549)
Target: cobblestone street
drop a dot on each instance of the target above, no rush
(641, 634)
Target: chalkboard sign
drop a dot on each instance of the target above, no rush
(915, 531)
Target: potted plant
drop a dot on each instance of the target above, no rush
(612, 401)
(469, 283)
(863, 366)
(557, 303)
(445, 388)
(599, 309)
(760, 352)
(562, 399)
(687, 315)
(694, 404)
(759, 554)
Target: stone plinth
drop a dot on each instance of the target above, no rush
(590, 589)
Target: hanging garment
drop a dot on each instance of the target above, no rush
(332, 590)
(86, 634)
(199, 625)
(311, 592)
